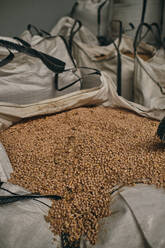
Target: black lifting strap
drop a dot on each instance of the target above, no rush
(162, 15)
(38, 31)
(102, 40)
(119, 62)
(161, 130)
(94, 72)
(66, 243)
(53, 64)
(68, 50)
(7, 60)
(143, 13)
(73, 31)
(16, 197)
(23, 42)
(69, 53)
(138, 38)
(73, 9)
(119, 70)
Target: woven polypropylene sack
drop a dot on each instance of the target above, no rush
(136, 221)
(63, 27)
(26, 80)
(149, 84)
(75, 96)
(101, 57)
(22, 223)
(90, 11)
(130, 11)
(105, 59)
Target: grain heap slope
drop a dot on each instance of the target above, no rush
(81, 155)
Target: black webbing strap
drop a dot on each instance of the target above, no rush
(73, 9)
(119, 70)
(138, 38)
(132, 27)
(56, 78)
(94, 72)
(73, 31)
(143, 11)
(16, 197)
(157, 35)
(99, 17)
(67, 49)
(144, 7)
(38, 31)
(7, 60)
(119, 62)
(121, 31)
(52, 63)
(45, 33)
(161, 130)
(66, 243)
(31, 27)
(162, 15)
(23, 42)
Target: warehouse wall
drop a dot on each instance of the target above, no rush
(163, 34)
(16, 14)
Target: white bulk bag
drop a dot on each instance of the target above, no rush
(136, 221)
(64, 26)
(94, 90)
(93, 14)
(130, 11)
(27, 80)
(22, 223)
(149, 79)
(105, 59)
(90, 88)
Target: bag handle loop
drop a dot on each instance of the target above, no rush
(38, 31)
(8, 59)
(94, 72)
(73, 9)
(52, 63)
(73, 31)
(99, 13)
(149, 29)
(27, 45)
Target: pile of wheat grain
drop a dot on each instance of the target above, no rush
(81, 155)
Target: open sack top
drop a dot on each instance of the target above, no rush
(32, 84)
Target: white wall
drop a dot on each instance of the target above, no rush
(15, 15)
